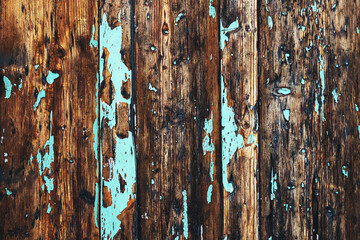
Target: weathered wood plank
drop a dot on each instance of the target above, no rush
(239, 106)
(48, 106)
(308, 84)
(118, 171)
(178, 119)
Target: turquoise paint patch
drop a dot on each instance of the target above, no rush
(273, 184)
(40, 95)
(36, 66)
(48, 209)
(335, 95)
(223, 31)
(231, 140)
(51, 77)
(345, 172)
(286, 113)
(96, 148)
(8, 87)
(357, 30)
(93, 43)
(209, 192)
(270, 22)
(21, 84)
(322, 79)
(185, 219)
(178, 18)
(359, 131)
(316, 105)
(48, 158)
(356, 108)
(8, 192)
(212, 12)
(124, 162)
(284, 91)
(152, 88)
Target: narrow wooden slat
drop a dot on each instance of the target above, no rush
(239, 107)
(309, 86)
(48, 107)
(178, 119)
(118, 172)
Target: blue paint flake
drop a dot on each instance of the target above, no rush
(51, 77)
(284, 91)
(345, 172)
(151, 88)
(223, 31)
(335, 95)
(286, 113)
(273, 184)
(185, 219)
(212, 12)
(209, 192)
(40, 95)
(8, 87)
(270, 22)
(8, 192)
(178, 18)
(36, 66)
(93, 43)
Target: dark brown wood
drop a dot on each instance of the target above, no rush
(118, 171)
(177, 99)
(48, 166)
(309, 86)
(239, 106)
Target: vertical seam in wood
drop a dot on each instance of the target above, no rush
(221, 190)
(99, 162)
(132, 115)
(258, 179)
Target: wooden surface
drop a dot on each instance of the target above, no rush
(207, 119)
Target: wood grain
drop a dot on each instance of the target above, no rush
(178, 119)
(47, 112)
(239, 120)
(308, 84)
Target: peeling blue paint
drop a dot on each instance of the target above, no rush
(286, 113)
(359, 130)
(223, 31)
(284, 91)
(270, 22)
(40, 95)
(273, 184)
(36, 67)
(8, 87)
(151, 88)
(207, 144)
(356, 108)
(316, 105)
(209, 192)
(231, 140)
(185, 219)
(212, 12)
(93, 43)
(96, 148)
(178, 18)
(51, 77)
(335, 95)
(21, 84)
(124, 163)
(8, 192)
(345, 172)
(48, 209)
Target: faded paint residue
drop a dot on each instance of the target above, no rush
(48, 209)
(51, 77)
(179, 17)
(322, 79)
(8, 87)
(231, 139)
(152, 88)
(284, 91)
(36, 67)
(212, 12)
(356, 108)
(124, 163)
(335, 95)
(286, 114)
(359, 130)
(40, 95)
(93, 43)
(223, 32)
(8, 192)
(345, 172)
(96, 148)
(273, 184)
(316, 105)
(209, 192)
(21, 84)
(270, 22)
(185, 219)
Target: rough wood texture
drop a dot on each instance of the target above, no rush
(309, 55)
(239, 88)
(178, 119)
(48, 103)
(118, 171)
(207, 119)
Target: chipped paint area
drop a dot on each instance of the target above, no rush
(208, 147)
(335, 95)
(212, 12)
(124, 163)
(231, 140)
(286, 114)
(51, 77)
(8, 87)
(152, 88)
(270, 22)
(273, 184)
(40, 95)
(223, 32)
(185, 219)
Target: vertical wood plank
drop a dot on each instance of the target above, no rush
(308, 85)
(178, 119)
(48, 107)
(118, 171)
(239, 120)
